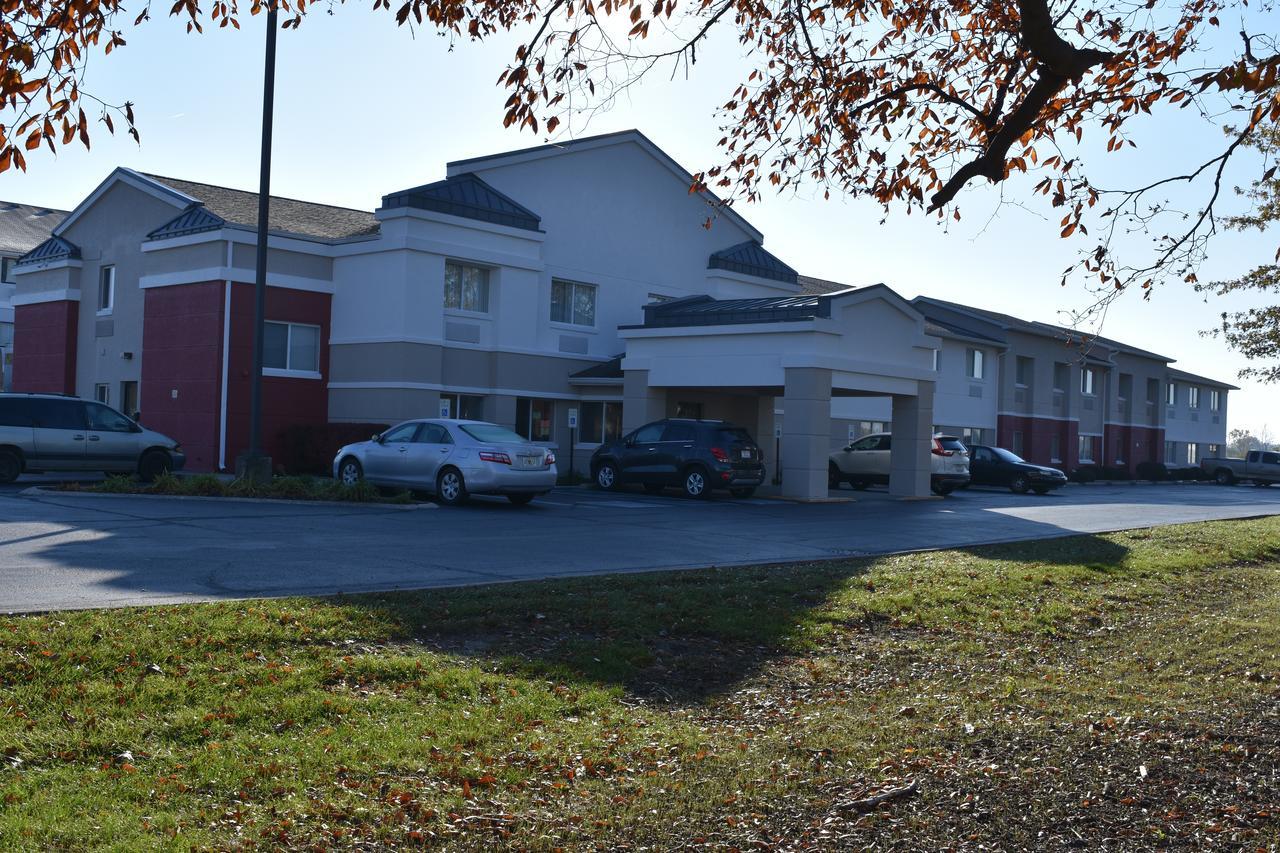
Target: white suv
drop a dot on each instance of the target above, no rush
(866, 461)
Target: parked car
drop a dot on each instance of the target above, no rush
(699, 456)
(1261, 467)
(451, 459)
(995, 466)
(866, 461)
(53, 432)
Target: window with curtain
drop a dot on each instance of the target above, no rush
(466, 287)
(573, 302)
(291, 346)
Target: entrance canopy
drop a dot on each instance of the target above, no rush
(805, 349)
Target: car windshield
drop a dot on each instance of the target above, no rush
(1006, 455)
(492, 433)
(733, 434)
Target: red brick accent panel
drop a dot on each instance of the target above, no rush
(286, 401)
(181, 390)
(44, 346)
(1133, 444)
(1037, 439)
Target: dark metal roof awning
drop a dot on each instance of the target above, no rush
(53, 249)
(750, 258)
(467, 196)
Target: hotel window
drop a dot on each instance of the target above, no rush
(466, 288)
(599, 422)
(1193, 453)
(102, 392)
(868, 427)
(971, 435)
(534, 418)
(1193, 397)
(1055, 448)
(1087, 380)
(1025, 370)
(1060, 376)
(1215, 400)
(1171, 394)
(1215, 449)
(974, 363)
(1170, 451)
(573, 303)
(106, 290)
(686, 409)
(1086, 448)
(129, 398)
(465, 407)
(1017, 442)
(292, 347)
(1153, 390)
(6, 270)
(937, 360)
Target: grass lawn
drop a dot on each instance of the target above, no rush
(1117, 691)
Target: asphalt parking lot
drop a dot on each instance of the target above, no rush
(70, 551)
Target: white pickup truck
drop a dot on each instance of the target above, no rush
(1261, 467)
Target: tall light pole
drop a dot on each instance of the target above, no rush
(255, 464)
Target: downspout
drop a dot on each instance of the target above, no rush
(226, 346)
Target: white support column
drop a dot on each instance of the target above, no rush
(640, 403)
(806, 432)
(770, 446)
(910, 462)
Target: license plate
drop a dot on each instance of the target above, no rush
(530, 461)
(746, 454)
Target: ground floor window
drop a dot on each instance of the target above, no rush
(129, 398)
(1119, 451)
(599, 421)
(534, 418)
(1193, 453)
(1170, 452)
(1018, 443)
(1086, 448)
(291, 346)
(1055, 449)
(689, 410)
(868, 427)
(1215, 449)
(974, 435)
(464, 406)
(102, 392)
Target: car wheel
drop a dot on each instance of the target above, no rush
(153, 464)
(1019, 485)
(696, 484)
(1041, 490)
(654, 488)
(521, 499)
(942, 489)
(1224, 477)
(350, 472)
(744, 492)
(606, 476)
(833, 476)
(451, 489)
(10, 466)
(860, 485)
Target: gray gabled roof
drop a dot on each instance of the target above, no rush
(288, 215)
(53, 249)
(705, 311)
(1045, 330)
(1203, 380)
(193, 220)
(25, 226)
(750, 258)
(466, 195)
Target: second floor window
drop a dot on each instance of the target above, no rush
(975, 363)
(1171, 394)
(1214, 400)
(292, 347)
(573, 302)
(1087, 380)
(6, 270)
(106, 290)
(466, 288)
(1193, 397)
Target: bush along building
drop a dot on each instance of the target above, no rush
(524, 288)
(22, 228)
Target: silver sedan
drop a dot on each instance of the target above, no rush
(452, 459)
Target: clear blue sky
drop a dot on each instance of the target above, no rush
(364, 107)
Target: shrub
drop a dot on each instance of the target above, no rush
(166, 484)
(309, 448)
(1085, 474)
(204, 485)
(361, 492)
(293, 488)
(1154, 471)
(1110, 473)
(117, 484)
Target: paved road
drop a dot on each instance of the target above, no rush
(73, 551)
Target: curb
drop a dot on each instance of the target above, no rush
(40, 491)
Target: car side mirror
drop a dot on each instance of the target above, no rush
(135, 427)
(630, 441)
(376, 438)
(848, 448)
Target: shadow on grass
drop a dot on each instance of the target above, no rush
(681, 637)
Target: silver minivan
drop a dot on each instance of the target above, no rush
(51, 432)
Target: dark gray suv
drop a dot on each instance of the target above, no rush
(50, 432)
(698, 456)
